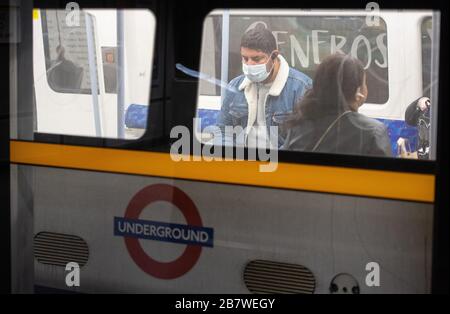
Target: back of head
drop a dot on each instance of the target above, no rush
(259, 38)
(335, 84)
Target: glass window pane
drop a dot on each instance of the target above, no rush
(92, 72)
(375, 82)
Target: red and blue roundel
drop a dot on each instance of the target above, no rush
(193, 234)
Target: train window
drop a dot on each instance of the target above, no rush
(92, 71)
(328, 81)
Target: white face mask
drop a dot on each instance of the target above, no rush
(258, 72)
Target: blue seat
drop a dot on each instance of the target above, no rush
(136, 116)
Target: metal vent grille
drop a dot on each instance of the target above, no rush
(59, 249)
(272, 277)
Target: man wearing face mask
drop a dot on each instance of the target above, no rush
(264, 95)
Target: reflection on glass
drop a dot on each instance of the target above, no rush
(66, 48)
(303, 40)
(92, 78)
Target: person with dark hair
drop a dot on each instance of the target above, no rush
(327, 119)
(417, 114)
(267, 90)
(64, 74)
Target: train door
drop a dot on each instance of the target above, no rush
(89, 73)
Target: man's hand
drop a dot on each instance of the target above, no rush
(423, 103)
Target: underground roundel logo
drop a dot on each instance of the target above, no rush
(193, 234)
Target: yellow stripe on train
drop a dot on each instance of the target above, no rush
(338, 180)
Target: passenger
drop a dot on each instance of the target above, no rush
(327, 119)
(64, 74)
(418, 115)
(267, 91)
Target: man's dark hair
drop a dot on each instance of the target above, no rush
(259, 38)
